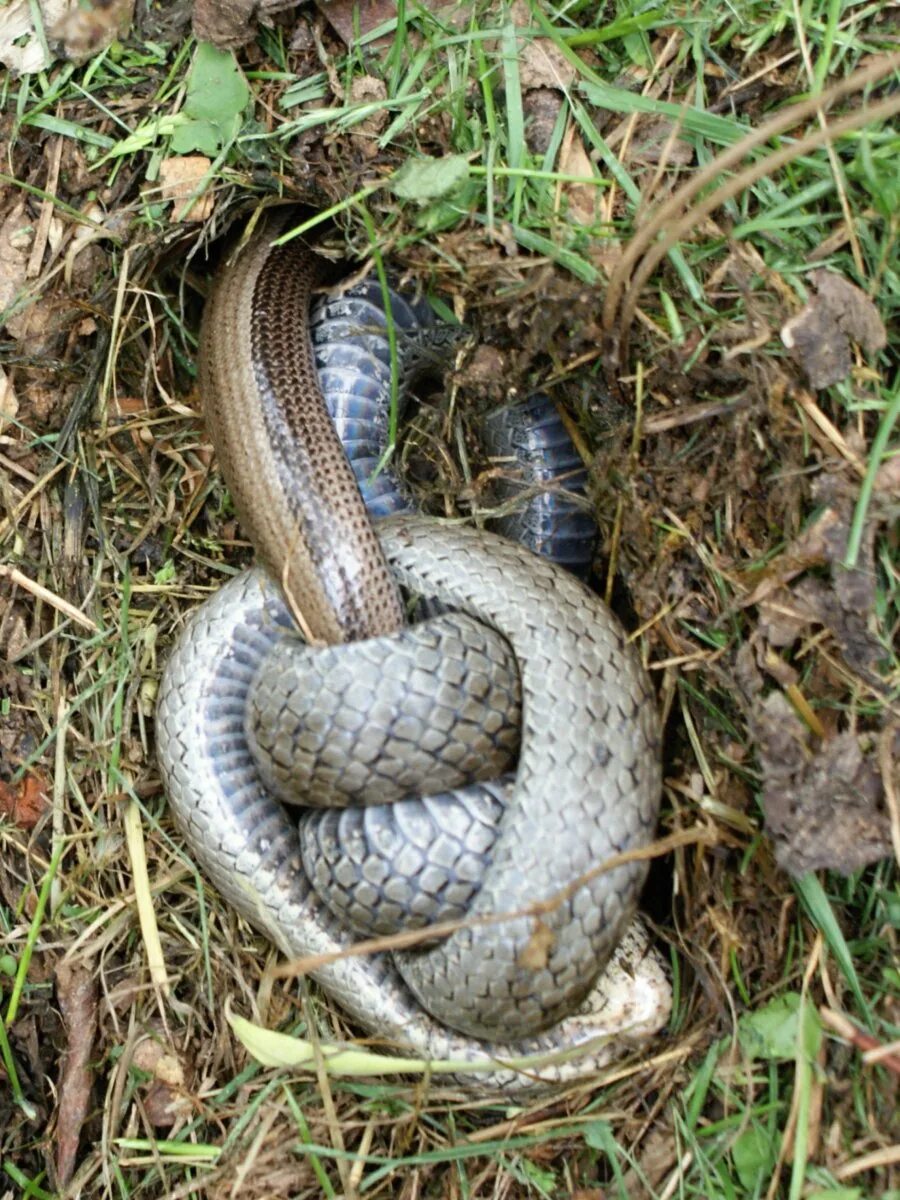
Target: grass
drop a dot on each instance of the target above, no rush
(642, 282)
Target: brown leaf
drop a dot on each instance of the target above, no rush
(225, 23)
(129, 406)
(16, 236)
(658, 1154)
(21, 49)
(823, 805)
(781, 621)
(820, 335)
(76, 991)
(582, 197)
(165, 1098)
(228, 24)
(351, 19)
(9, 404)
(87, 29)
(179, 178)
(845, 603)
(887, 478)
(485, 368)
(368, 88)
(655, 140)
(852, 309)
(25, 802)
(541, 108)
(79, 30)
(541, 63)
(40, 319)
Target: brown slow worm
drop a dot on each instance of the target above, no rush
(292, 487)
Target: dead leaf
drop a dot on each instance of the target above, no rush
(228, 24)
(582, 197)
(823, 804)
(87, 29)
(541, 108)
(541, 63)
(16, 639)
(129, 406)
(41, 319)
(808, 549)
(165, 1098)
(9, 404)
(486, 368)
(225, 23)
(654, 140)
(351, 19)
(854, 312)
(363, 89)
(25, 802)
(71, 29)
(845, 603)
(76, 991)
(179, 178)
(658, 1155)
(887, 478)
(21, 49)
(16, 235)
(820, 335)
(781, 622)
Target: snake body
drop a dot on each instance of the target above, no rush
(352, 355)
(588, 776)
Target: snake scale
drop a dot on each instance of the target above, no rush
(587, 781)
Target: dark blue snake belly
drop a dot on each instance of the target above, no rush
(546, 480)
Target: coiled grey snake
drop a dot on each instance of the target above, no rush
(587, 782)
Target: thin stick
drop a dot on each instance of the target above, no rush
(402, 941)
(51, 598)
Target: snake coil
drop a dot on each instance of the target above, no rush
(587, 782)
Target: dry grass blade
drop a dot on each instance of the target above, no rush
(58, 602)
(678, 228)
(677, 206)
